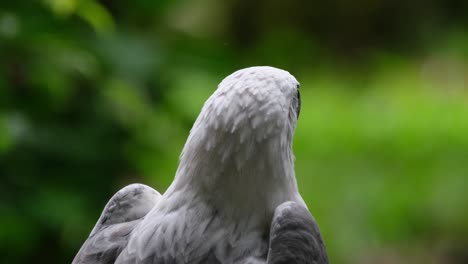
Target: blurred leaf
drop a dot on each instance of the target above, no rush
(62, 7)
(96, 15)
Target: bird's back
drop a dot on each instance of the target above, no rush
(194, 232)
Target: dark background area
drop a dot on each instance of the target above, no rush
(95, 95)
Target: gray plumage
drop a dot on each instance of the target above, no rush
(295, 237)
(234, 199)
(122, 213)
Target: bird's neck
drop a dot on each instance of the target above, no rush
(239, 178)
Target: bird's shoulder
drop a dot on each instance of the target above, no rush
(295, 236)
(120, 216)
(130, 203)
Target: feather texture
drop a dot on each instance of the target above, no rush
(119, 218)
(295, 237)
(235, 174)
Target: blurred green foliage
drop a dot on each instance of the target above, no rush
(98, 94)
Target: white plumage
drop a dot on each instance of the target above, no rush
(236, 168)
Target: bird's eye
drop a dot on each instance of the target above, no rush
(298, 101)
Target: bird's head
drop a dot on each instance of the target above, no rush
(256, 101)
(250, 106)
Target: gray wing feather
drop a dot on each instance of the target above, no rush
(120, 216)
(295, 237)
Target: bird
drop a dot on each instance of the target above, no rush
(234, 198)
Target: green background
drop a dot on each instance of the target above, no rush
(95, 95)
